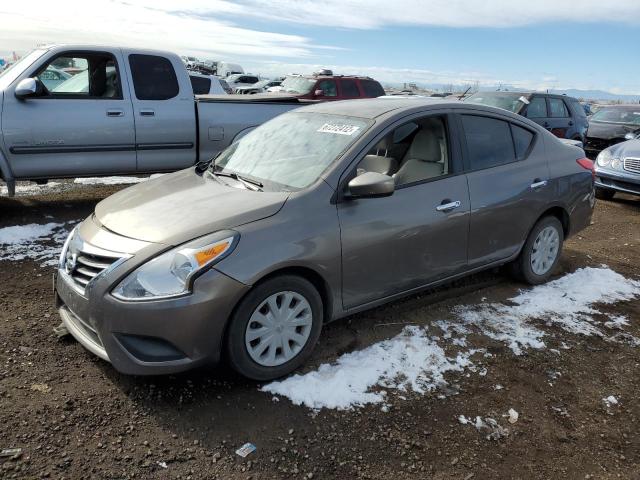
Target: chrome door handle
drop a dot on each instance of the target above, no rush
(538, 184)
(115, 113)
(147, 113)
(447, 207)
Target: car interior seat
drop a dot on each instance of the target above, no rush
(425, 158)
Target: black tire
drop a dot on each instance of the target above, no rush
(237, 353)
(604, 193)
(521, 268)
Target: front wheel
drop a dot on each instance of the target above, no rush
(275, 328)
(541, 252)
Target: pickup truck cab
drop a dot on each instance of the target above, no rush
(124, 111)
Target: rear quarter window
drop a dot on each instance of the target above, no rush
(153, 77)
(371, 88)
(522, 140)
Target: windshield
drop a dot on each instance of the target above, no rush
(291, 151)
(626, 116)
(10, 74)
(298, 85)
(507, 101)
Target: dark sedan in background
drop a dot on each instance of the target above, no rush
(611, 125)
(563, 116)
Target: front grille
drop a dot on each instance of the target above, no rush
(632, 165)
(83, 262)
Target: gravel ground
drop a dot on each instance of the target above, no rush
(74, 416)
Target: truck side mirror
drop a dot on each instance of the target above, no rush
(318, 93)
(29, 87)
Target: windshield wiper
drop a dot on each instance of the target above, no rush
(247, 182)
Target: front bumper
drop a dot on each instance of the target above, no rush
(619, 182)
(149, 337)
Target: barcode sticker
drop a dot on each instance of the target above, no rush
(338, 129)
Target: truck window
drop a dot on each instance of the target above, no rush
(91, 75)
(201, 85)
(371, 88)
(153, 77)
(349, 88)
(328, 88)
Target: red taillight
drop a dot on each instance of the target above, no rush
(587, 165)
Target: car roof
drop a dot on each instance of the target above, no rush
(374, 107)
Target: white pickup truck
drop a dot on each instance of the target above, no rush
(78, 110)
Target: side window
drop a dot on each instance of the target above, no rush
(349, 88)
(91, 75)
(522, 139)
(537, 108)
(557, 108)
(413, 152)
(371, 88)
(200, 85)
(328, 88)
(153, 77)
(489, 141)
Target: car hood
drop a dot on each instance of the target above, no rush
(178, 207)
(630, 148)
(607, 131)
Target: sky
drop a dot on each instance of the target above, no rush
(533, 44)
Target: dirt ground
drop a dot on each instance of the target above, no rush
(75, 417)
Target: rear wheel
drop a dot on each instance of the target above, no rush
(604, 193)
(275, 328)
(541, 252)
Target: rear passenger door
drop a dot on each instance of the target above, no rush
(507, 174)
(559, 121)
(164, 112)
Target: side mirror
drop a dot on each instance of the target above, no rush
(318, 93)
(632, 136)
(29, 87)
(371, 184)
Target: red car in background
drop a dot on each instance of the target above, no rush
(325, 85)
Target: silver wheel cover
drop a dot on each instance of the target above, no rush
(545, 250)
(278, 329)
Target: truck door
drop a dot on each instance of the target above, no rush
(80, 126)
(164, 112)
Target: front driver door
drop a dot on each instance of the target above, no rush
(416, 236)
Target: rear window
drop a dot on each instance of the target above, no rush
(349, 88)
(371, 88)
(153, 77)
(201, 85)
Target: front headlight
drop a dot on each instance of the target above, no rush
(171, 274)
(604, 158)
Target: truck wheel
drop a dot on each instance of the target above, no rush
(275, 328)
(541, 252)
(604, 193)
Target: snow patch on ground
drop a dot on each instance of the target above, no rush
(566, 302)
(39, 242)
(610, 401)
(487, 426)
(114, 180)
(30, 189)
(414, 361)
(410, 361)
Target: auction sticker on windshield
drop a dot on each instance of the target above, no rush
(339, 129)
